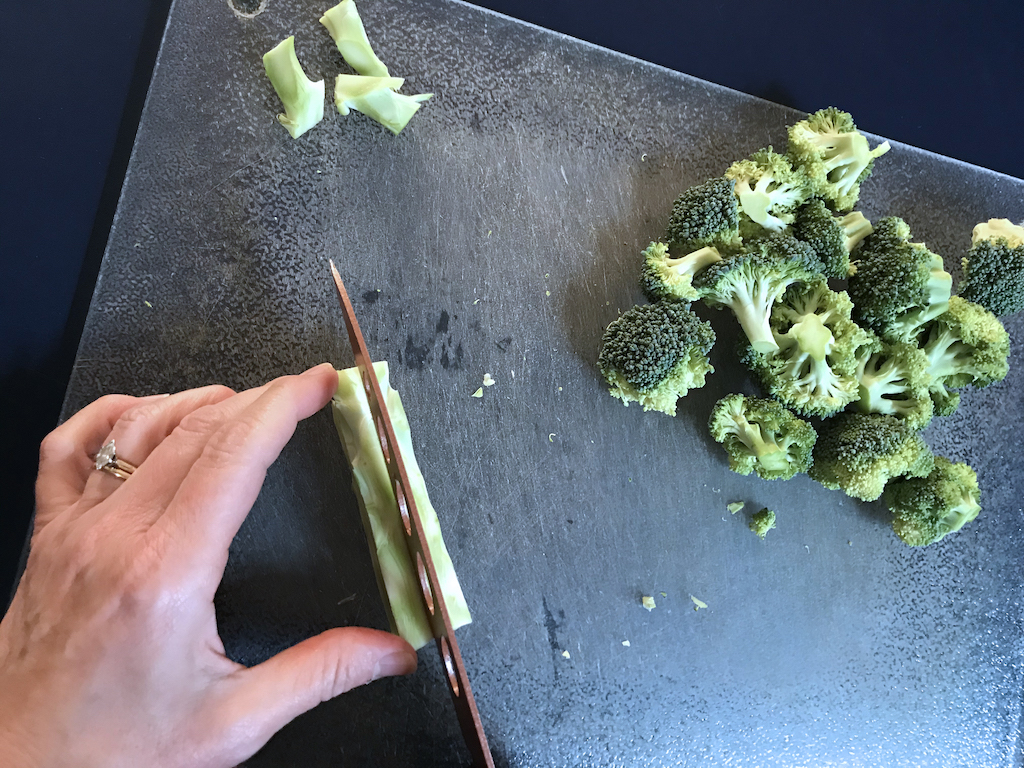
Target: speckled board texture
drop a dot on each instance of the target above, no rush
(499, 233)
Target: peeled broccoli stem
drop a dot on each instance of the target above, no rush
(770, 455)
(947, 353)
(397, 576)
(752, 302)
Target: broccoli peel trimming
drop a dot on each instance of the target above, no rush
(397, 576)
(926, 509)
(750, 282)
(666, 277)
(302, 98)
(654, 354)
(378, 99)
(761, 436)
(994, 267)
(859, 453)
(814, 369)
(346, 28)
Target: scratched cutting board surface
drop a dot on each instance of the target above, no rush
(500, 234)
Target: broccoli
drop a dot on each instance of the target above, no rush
(994, 267)
(897, 286)
(893, 380)
(346, 28)
(965, 345)
(762, 522)
(655, 353)
(761, 436)
(860, 452)
(705, 214)
(751, 281)
(925, 509)
(830, 150)
(813, 371)
(769, 192)
(377, 98)
(831, 238)
(665, 277)
(303, 99)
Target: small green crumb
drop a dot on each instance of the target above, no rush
(663, 594)
(488, 381)
(147, 304)
(547, 293)
(648, 602)
(565, 655)
(625, 643)
(762, 522)
(698, 604)
(479, 392)
(551, 437)
(735, 506)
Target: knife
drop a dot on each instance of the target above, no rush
(416, 540)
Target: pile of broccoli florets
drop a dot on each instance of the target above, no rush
(852, 329)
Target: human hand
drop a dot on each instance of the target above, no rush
(109, 653)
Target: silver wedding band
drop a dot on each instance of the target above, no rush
(107, 461)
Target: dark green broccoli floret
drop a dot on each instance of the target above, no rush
(705, 214)
(761, 436)
(860, 452)
(830, 150)
(750, 282)
(965, 345)
(831, 237)
(894, 380)
(813, 371)
(762, 522)
(769, 192)
(665, 277)
(655, 353)
(925, 509)
(897, 286)
(994, 268)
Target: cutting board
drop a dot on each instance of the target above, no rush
(499, 234)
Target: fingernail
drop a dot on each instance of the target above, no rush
(397, 663)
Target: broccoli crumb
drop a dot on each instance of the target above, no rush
(625, 643)
(648, 602)
(762, 522)
(735, 506)
(488, 381)
(565, 655)
(478, 393)
(697, 603)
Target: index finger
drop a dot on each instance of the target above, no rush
(222, 485)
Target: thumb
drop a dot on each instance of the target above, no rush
(272, 694)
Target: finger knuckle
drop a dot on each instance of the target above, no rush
(55, 447)
(227, 442)
(201, 421)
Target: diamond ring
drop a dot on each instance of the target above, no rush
(107, 461)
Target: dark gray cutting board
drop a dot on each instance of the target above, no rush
(500, 234)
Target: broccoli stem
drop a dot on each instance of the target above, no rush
(946, 353)
(752, 305)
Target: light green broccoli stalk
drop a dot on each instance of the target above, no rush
(831, 237)
(859, 453)
(894, 379)
(397, 575)
(762, 522)
(654, 354)
(830, 150)
(303, 99)
(377, 98)
(814, 369)
(897, 286)
(966, 344)
(665, 277)
(761, 436)
(926, 509)
(345, 26)
(750, 282)
(769, 191)
(704, 215)
(994, 267)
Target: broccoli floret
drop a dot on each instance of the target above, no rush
(925, 509)
(831, 237)
(897, 286)
(665, 277)
(830, 150)
(303, 99)
(769, 192)
(655, 353)
(965, 345)
(893, 380)
(860, 452)
(762, 522)
(751, 281)
(762, 436)
(705, 214)
(814, 369)
(994, 267)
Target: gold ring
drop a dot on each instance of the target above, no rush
(107, 461)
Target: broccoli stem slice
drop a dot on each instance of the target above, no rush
(397, 576)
